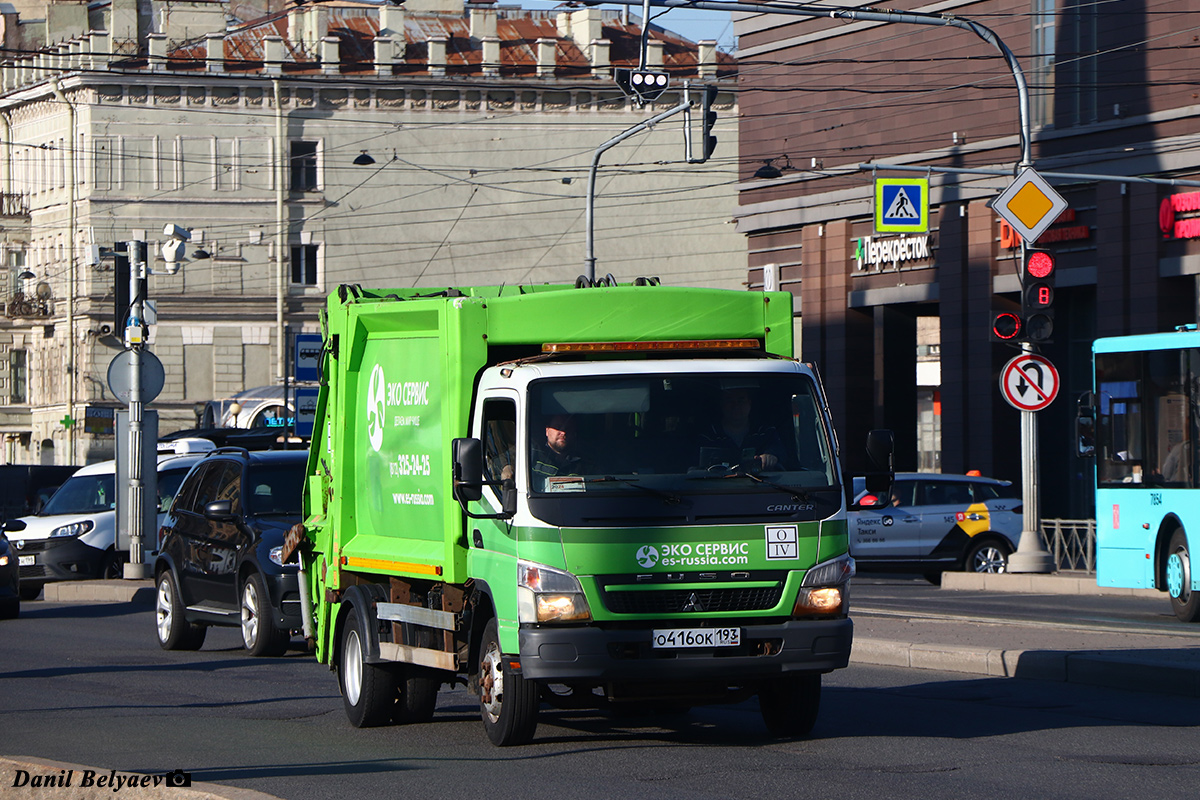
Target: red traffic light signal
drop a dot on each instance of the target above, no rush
(1007, 327)
(1040, 265)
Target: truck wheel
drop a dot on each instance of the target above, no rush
(174, 631)
(789, 704)
(416, 696)
(259, 634)
(368, 690)
(11, 609)
(988, 556)
(508, 702)
(1184, 602)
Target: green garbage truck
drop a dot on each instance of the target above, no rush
(587, 497)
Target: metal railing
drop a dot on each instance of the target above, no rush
(1072, 542)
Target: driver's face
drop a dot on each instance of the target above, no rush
(559, 432)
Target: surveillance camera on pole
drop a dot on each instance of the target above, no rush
(172, 249)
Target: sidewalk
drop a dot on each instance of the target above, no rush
(1158, 662)
(1155, 662)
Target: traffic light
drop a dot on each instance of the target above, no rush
(121, 298)
(643, 85)
(1007, 326)
(708, 141)
(1037, 295)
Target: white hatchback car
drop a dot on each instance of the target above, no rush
(937, 522)
(74, 535)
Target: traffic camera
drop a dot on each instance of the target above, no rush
(643, 85)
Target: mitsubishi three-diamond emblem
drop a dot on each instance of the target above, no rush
(693, 603)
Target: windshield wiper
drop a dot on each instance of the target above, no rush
(799, 495)
(669, 499)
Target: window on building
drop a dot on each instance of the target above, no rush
(304, 264)
(304, 167)
(1041, 89)
(18, 376)
(1078, 100)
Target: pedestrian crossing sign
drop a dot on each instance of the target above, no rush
(901, 205)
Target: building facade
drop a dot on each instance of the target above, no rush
(430, 144)
(1111, 93)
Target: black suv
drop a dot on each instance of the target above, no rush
(219, 559)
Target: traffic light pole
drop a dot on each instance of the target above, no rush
(135, 341)
(589, 260)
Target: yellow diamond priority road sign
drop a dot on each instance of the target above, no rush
(1029, 205)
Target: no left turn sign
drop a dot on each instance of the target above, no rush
(1029, 382)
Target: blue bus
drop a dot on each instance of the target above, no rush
(1140, 424)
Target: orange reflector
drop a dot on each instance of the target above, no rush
(392, 566)
(633, 347)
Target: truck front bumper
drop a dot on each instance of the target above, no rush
(594, 654)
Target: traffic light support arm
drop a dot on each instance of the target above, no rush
(589, 261)
(873, 15)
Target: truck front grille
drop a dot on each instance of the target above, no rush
(678, 601)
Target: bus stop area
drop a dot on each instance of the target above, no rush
(1163, 659)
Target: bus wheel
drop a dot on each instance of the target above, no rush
(508, 702)
(1184, 601)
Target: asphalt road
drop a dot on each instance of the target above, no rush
(89, 685)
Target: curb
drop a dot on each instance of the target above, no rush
(65, 780)
(1026, 583)
(1109, 669)
(99, 591)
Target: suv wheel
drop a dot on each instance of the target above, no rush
(259, 633)
(174, 631)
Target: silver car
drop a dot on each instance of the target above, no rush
(933, 522)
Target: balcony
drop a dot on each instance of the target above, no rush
(23, 305)
(13, 204)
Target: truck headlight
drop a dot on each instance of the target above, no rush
(74, 529)
(823, 592)
(545, 594)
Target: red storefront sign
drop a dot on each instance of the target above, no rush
(1179, 204)
(1059, 233)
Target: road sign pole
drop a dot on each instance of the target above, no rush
(1031, 555)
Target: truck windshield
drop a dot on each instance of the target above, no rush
(678, 434)
(82, 494)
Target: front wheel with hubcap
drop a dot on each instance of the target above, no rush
(989, 556)
(789, 704)
(259, 632)
(1184, 601)
(508, 702)
(368, 690)
(174, 632)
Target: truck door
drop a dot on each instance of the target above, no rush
(497, 429)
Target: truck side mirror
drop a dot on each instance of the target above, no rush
(881, 444)
(468, 469)
(1085, 426)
